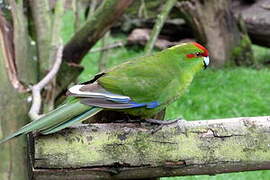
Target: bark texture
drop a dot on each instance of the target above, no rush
(214, 25)
(132, 151)
(43, 26)
(13, 105)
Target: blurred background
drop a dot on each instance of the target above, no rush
(98, 35)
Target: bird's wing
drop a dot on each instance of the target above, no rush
(142, 79)
(95, 95)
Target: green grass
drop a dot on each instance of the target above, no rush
(261, 54)
(221, 93)
(225, 93)
(252, 175)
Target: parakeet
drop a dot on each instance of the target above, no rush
(142, 87)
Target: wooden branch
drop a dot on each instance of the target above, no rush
(8, 54)
(43, 26)
(95, 27)
(76, 10)
(56, 42)
(92, 8)
(23, 50)
(109, 46)
(131, 151)
(158, 25)
(13, 107)
(37, 88)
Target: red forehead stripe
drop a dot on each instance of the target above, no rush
(205, 51)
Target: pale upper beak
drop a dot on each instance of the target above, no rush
(206, 61)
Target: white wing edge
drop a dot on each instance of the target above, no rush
(75, 91)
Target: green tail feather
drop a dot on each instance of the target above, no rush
(53, 119)
(18, 133)
(73, 121)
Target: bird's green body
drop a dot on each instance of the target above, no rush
(160, 77)
(141, 87)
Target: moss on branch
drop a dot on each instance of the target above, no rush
(183, 148)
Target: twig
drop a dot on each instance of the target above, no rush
(49, 97)
(158, 25)
(92, 8)
(142, 13)
(109, 46)
(37, 88)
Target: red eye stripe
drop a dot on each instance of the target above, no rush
(190, 55)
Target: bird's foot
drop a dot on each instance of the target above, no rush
(160, 123)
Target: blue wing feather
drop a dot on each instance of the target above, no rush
(109, 104)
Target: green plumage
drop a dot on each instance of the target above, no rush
(160, 78)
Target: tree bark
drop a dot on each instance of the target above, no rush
(13, 104)
(132, 150)
(24, 52)
(214, 25)
(43, 27)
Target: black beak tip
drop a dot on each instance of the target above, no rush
(204, 65)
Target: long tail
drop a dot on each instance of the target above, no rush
(57, 119)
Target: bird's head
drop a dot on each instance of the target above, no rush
(191, 53)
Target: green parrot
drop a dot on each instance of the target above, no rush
(142, 87)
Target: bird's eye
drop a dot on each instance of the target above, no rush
(195, 55)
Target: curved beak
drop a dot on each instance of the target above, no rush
(206, 62)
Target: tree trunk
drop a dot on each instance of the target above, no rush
(13, 104)
(134, 150)
(214, 25)
(43, 26)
